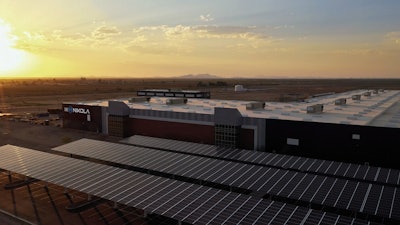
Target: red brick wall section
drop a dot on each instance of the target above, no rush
(172, 130)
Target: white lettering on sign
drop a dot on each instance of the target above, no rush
(71, 109)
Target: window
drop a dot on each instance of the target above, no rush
(226, 135)
(292, 141)
(116, 125)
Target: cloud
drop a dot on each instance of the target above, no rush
(156, 49)
(356, 51)
(283, 27)
(182, 39)
(203, 31)
(104, 32)
(185, 39)
(32, 41)
(230, 32)
(160, 40)
(206, 18)
(6, 32)
(58, 39)
(225, 29)
(393, 37)
(71, 39)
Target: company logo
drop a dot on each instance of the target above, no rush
(71, 109)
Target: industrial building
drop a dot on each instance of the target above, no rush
(360, 126)
(203, 161)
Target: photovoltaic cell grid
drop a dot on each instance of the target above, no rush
(186, 202)
(339, 193)
(342, 169)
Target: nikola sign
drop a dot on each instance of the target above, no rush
(71, 109)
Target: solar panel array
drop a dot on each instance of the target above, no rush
(340, 169)
(344, 194)
(185, 202)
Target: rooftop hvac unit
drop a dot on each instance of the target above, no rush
(176, 101)
(239, 88)
(367, 93)
(340, 101)
(139, 99)
(255, 105)
(356, 97)
(375, 92)
(318, 108)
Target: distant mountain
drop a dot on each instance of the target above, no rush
(199, 76)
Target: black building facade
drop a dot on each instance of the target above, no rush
(341, 142)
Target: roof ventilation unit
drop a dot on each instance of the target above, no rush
(375, 92)
(367, 93)
(239, 88)
(255, 105)
(318, 108)
(139, 99)
(176, 101)
(340, 101)
(356, 97)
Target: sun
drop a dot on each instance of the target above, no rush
(11, 59)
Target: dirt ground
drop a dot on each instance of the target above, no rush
(40, 137)
(39, 95)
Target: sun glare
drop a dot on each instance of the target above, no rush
(11, 59)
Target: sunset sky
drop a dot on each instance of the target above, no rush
(228, 38)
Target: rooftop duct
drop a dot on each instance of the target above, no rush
(255, 105)
(176, 101)
(318, 108)
(356, 97)
(340, 101)
(139, 99)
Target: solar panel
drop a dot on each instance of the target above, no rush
(341, 169)
(334, 192)
(185, 202)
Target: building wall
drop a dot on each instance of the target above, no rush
(172, 130)
(341, 142)
(257, 125)
(82, 117)
(117, 125)
(246, 139)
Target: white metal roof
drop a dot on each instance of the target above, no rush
(380, 109)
